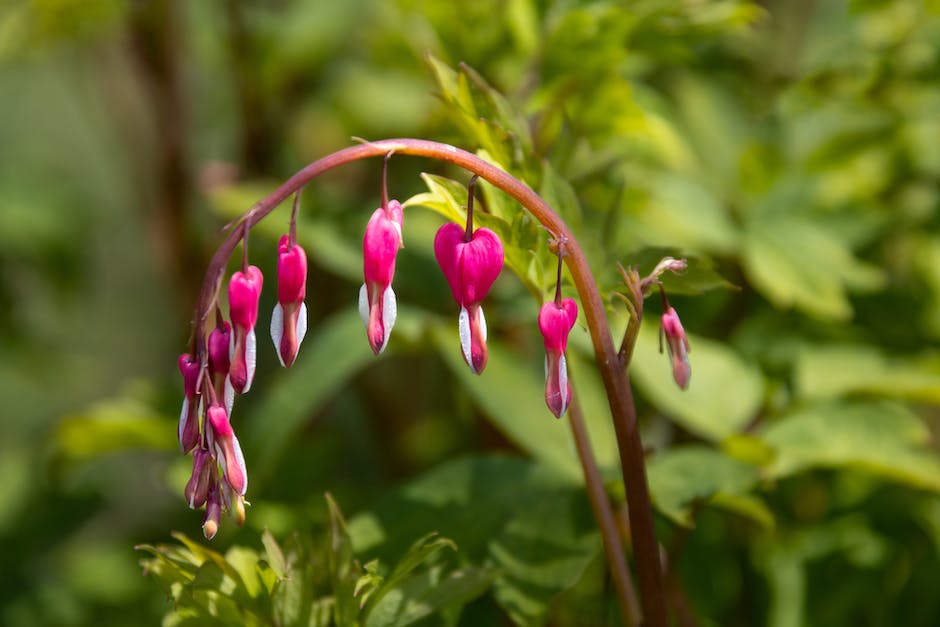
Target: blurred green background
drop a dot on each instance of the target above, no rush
(789, 148)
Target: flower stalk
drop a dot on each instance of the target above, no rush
(613, 371)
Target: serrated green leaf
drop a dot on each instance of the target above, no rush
(724, 393)
(343, 571)
(420, 551)
(427, 592)
(882, 438)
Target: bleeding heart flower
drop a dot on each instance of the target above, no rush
(227, 449)
(210, 524)
(555, 322)
(677, 344)
(188, 430)
(470, 265)
(244, 290)
(380, 244)
(289, 320)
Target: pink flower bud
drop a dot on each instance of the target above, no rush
(188, 431)
(244, 290)
(289, 320)
(227, 449)
(678, 346)
(555, 323)
(380, 244)
(197, 488)
(220, 341)
(210, 524)
(471, 268)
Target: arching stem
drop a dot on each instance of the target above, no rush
(613, 372)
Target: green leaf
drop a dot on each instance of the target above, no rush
(427, 592)
(274, 555)
(683, 476)
(511, 393)
(831, 371)
(724, 394)
(795, 263)
(882, 438)
(293, 397)
(343, 571)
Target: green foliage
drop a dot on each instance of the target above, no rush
(788, 150)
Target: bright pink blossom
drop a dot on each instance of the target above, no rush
(470, 267)
(678, 346)
(188, 430)
(197, 488)
(380, 244)
(220, 341)
(244, 290)
(289, 320)
(555, 323)
(228, 451)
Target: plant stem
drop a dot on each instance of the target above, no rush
(604, 514)
(613, 373)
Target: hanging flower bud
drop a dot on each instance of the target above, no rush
(210, 524)
(471, 261)
(678, 346)
(227, 449)
(197, 488)
(188, 430)
(555, 322)
(289, 320)
(380, 244)
(219, 363)
(244, 290)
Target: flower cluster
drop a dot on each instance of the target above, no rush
(222, 363)
(224, 366)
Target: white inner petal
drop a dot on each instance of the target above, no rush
(563, 383)
(482, 323)
(364, 304)
(277, 330)
(389, 314)
(240, 459)
(301, 323)
(229, 393)
(251, 353)
(184, 417)
(463, 327)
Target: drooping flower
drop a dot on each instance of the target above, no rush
(210, 524)
(228, 451)
(197, 488)
(188, 431)
(677, 343)
(380, 244)
(289, 320)
(244, 290)
(555, 322)
(220, 341)
(470, 265)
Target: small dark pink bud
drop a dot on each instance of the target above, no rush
(377, 303)
(677, 343)
(471, 268)
(244, 290)
(555, 323)
(227, 449)
(289, 320)
(197, 488)
(188, 431)
(210, 524)
(220, 341)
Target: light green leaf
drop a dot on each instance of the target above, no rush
(882, 438)
(724, 394)
(274, 555)
(795, 263)
(343, 571)
(831, 371)
(511, 393)
(682, 476)
(427, 592)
